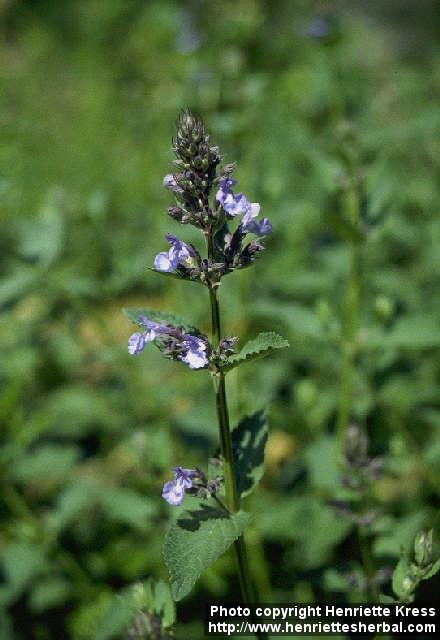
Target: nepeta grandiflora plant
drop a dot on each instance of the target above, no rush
(232, 230)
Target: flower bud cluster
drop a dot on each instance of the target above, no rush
(361, 469)
(192, 185)
(197, 162)
(359, 472)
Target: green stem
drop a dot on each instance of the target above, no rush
(231, 493)
(350, 330)
(368, 565)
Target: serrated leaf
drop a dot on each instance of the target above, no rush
(249, 438)
(159, 316)
(263, 345)
(196, 540)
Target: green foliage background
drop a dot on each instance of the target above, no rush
(89, 94)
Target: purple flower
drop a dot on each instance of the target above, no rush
(169, 182)
(224, 188)
(239, 205)
(184, 476)
(233, 204)
(179, 253)
(259, 227)
(155, 328)
(136, 343)
(174, 490)
(173, 343)
(194, 354)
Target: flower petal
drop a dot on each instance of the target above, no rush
(184, 476)
(259, 227)
(136, 343)
(173, 492)
(164, 261)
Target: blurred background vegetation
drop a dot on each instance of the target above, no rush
(89, 94)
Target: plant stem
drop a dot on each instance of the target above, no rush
(368, 565)
(232, 496)
(231, 492)
(350, 328)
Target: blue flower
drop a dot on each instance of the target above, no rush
(174, 490)
(224, 189)
(233, 204)
(194, 354)
(137, 341)
(184, 476)
(179, 253)
(239, 205)
(259, 227)
(155, 328)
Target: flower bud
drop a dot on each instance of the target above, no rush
(177, 213)
(423, 547)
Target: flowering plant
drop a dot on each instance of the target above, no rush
(198, 537)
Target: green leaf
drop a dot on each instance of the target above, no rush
(263, 345)
(169, 274)
(42, 238)
(399, 534)
(48, 593)
(159, 316)
(127, 506)
(415, 332)
(196, 540)
(50, 462)
(322, 463)
(308, 521)
(146, 604)
(250, 437)
(432, 571)
(163, 604)
(21, 563)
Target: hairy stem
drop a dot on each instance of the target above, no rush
(232, 496)
(231, 492)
